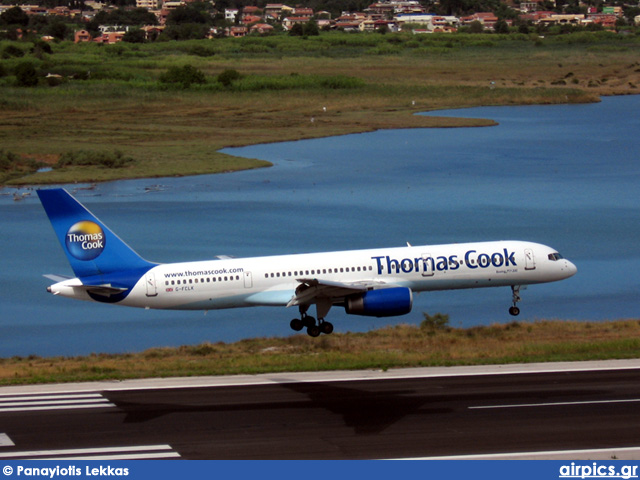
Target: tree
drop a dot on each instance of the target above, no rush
(311, 28)
(631, 12)
(12, 51)
(228, 76)
(523, 28)
(185, 76)
(186, 31)
(26, 75)
(187, 14)
(134, 35)
(501, 26)
(14, 16)
(135, 16)
(58, 29)
(297, 30)
(476, 27)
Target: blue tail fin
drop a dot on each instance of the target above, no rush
(91, 248)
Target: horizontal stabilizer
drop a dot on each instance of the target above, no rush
(56, 278)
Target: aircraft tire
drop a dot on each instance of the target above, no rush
(514, 311)
(296, 324)
(313, 331)
(326, 328)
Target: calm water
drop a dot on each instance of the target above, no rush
(565, 176)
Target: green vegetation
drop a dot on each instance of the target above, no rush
(115, 159)
(391, 347)
(134, 97)
(173, 105)
(184, 76)
(12, 165)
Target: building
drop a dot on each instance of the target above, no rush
(235, 32)
(230, 14)
(289, 22)
(82, 36)
(110, 38)
(487, 19)
(148, 4)
(261, 28)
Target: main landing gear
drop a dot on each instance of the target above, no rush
(514, 310)
(314, 327)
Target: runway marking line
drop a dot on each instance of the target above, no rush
(27, 398)
(106, 453)
(5, 441)
(546, 455)
(25, 403)
(554, 404)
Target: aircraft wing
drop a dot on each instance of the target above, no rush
(310, 290)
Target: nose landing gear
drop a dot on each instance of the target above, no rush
(514, 310)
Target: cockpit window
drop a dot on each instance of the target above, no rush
(555, 257)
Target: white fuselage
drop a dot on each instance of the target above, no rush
(272, 281)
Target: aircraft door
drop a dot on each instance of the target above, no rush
(248, 280)
(529, 260)
(150, 280)
(427, 265)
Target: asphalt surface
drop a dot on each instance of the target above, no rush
(503, 412)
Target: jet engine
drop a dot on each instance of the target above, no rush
(385, 302)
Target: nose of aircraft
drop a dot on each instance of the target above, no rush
(570, 269)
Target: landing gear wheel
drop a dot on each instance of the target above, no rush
(313, 331)
(296, 324)
(308, 321)
(326, 328)
(515, 298)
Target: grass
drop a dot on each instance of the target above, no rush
(365, 82)
(391, 347)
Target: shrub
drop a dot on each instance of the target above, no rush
(8, 161)
(41, 47)
(115, 159)
(228, 76)
(201, 51)
(431, 323)
(26, 75)
(184, 76)
(12, 51)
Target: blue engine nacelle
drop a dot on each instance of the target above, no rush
(385, 302)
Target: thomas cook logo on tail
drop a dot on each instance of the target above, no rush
(85, 240)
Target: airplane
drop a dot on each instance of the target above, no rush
(374, 282)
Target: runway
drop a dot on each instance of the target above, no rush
(568, 410)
